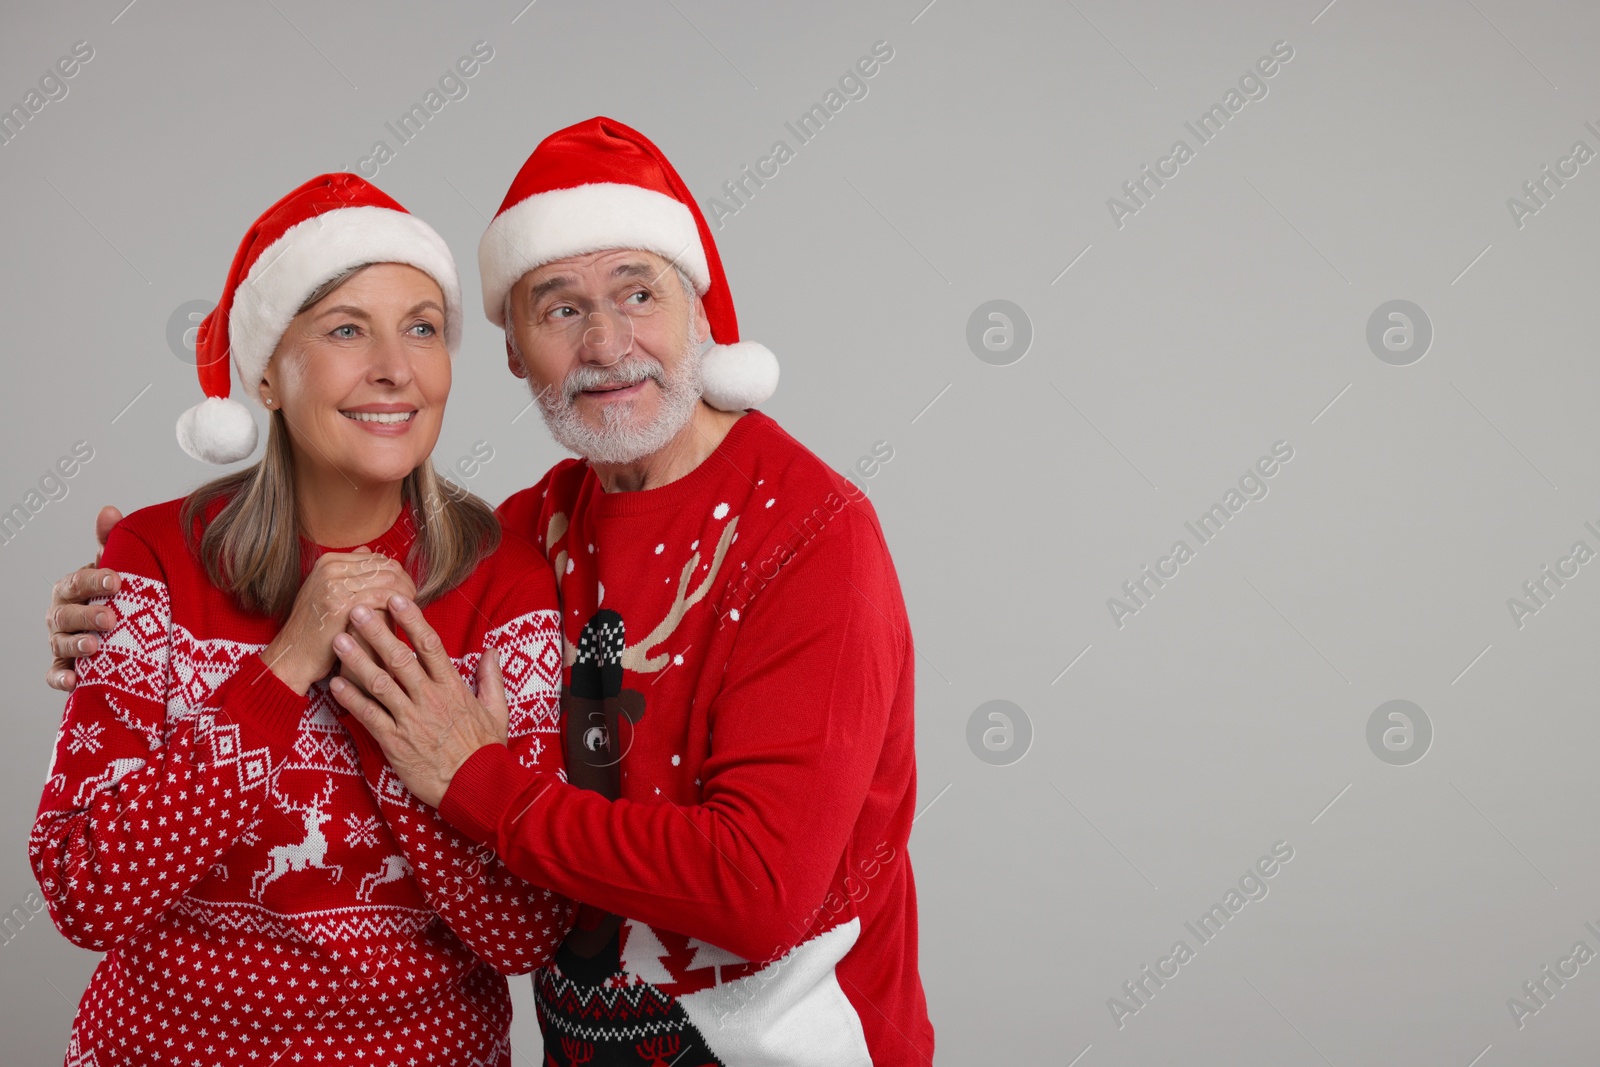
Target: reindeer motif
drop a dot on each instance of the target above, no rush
(115, 771)
(394, 868)
(308, 853)
(635, 657)
(657, 1049)
(593, 701)
(577, 1051)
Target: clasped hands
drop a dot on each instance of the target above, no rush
(413, 701)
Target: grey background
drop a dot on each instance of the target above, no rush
(1228, 314)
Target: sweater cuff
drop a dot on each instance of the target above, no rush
(258, 699)
(475, 800)
(367, 748)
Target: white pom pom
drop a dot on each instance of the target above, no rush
(738, 376)
(217, 430)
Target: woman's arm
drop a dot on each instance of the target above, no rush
(132, 818)
(515, 926)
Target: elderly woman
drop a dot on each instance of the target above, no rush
(265, 889)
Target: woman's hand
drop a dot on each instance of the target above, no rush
(339, 582)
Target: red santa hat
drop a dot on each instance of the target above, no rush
(599, 185)
(325, 227)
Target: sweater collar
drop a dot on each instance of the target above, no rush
(395, 542)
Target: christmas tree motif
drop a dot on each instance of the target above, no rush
(711, 956)
(642, 951)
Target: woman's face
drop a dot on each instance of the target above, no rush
(362, 376)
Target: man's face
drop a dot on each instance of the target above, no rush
(610, 344)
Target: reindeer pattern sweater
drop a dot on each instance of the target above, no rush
(743, 632)
(265, 888)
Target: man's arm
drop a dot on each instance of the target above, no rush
(797, 733)
(75, 625)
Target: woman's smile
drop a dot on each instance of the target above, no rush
(384, 420)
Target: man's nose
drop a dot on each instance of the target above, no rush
(607, 336)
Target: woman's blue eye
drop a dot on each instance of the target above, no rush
(426, 327)
(338, 331)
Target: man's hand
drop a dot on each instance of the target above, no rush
(415, 704)
(75, 626)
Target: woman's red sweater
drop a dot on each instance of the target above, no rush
(264, 887)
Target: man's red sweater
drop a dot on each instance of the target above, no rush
(744, 629)
(263, 885)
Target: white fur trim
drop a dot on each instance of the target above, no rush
(738, 376)
(318, 249)
(792, 1011)
(585, 218)
(217, 430)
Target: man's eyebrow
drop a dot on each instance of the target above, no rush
(635, 269)
(549, 284)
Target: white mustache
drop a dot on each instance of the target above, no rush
(630, 373)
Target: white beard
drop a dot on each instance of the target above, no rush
(618, 440)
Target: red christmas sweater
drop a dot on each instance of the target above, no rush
(264, 887)
(743, 632)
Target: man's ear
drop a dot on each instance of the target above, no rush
(702, 324)
(512, 362)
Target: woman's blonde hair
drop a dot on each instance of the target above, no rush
(252, 547)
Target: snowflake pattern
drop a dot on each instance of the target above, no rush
(362, 831)
(85, 738)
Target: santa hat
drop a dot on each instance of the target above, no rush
(327, 226)
(599, 185)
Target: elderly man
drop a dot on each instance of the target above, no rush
(738, 704)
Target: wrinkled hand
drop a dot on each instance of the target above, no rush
(415, 704)
(74, 624)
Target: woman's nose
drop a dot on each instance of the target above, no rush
(390, 362)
